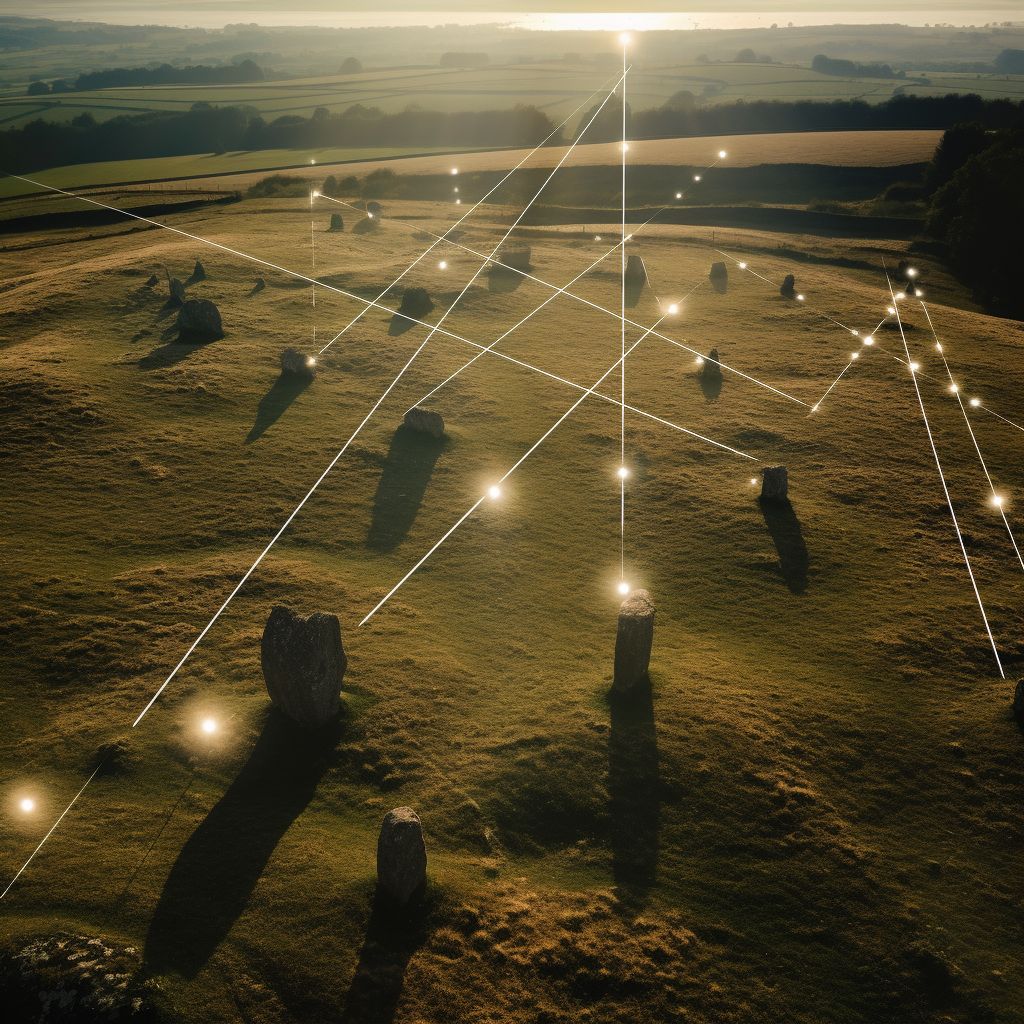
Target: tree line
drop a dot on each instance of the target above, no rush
(206, 128)
(165, 74)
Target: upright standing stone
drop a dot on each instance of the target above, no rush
(304, 664)
(788, 289)
(199, 322)
(177, 290)
(401, 855)
(719, 277)
(373, 210)
(634, 280)
(515, 258)
(1018, 702)
(259, 285)
(774, 484)
(712, 369)
(425, 421)
(198, 272)
(337, 222)
(633, 641)
(295, 363)
(415, 303)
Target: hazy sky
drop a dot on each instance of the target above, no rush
(596, 14)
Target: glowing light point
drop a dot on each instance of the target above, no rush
(743, 266)
(27, 805)
(370, 215)
(625, 147)
(623, 588)
(996, 500)
(623, 472)
(800, 298)
(900, 295)
(911, 272)
(458, 202)
(597, 238)
(914, 367)
(312, 163)
(673, 309)
(679, 195)
(855, 355)
(316, 195)
(975, 402)
(721, 154)
(920, 294)
(699, 360)
(869, 340)
(455, 170)
(209, 726)
(938, 346)
(814, 409)
(953, 388)
(890, 309)
(753, 480)
(311, 361)
(854, 333)
(494, 492)
(624, 39)
(696, 177)
(443, 265)
(455, 190)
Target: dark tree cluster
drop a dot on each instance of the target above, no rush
(851, 69)
(166, 74)
(977, 211)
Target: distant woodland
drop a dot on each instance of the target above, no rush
(206, 128)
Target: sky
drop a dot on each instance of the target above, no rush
(534, 14)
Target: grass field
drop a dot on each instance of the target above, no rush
(835, 149)
(556, 88)
(813, 817)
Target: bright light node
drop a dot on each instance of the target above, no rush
(975, 402)
(312, 163)
(997, 500)
(721, 154)
(914, 367)
(370, 215)
(27, 805)
(209, 725)
(911, 273)
(800, 298)
(855, 355)
(679, 195)
(456, 190)
(443, 265)
(673, 309)
(753, 480)
(696, 177)
(953, 388)
(743, 266)
(920, 294)
(699, 360)
(900, 295)
(597, 238)
(494, 492)
(890, 309)
(814, 409)
(455, 170)
(854, 333)
(869, 340)
(625, 147)
(458, 202)
(316, 195)
(623, 588)
(624, 39)
(623, 472)
(311, 361)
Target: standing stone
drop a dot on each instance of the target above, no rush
(712, 369)
(633, 641)
(774, 483)
(788, 289)
(199, 272)
(415, 303)
(401, 855)
(337, 223)
(373, 210)
(719, 277)
(293, 362)
(199, 321)
(259, 285)
(516, 259)
(153, 281)
(1018, 702)
(425, 421)
(303, 665)
(177, 290)
(634, 281)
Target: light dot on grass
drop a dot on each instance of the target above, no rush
(800, 298)
(914, 367)
(679, 195)
(27, 805)
(869, 340)
(975, 402)
(494, 492)
(623, 472)
(997, 501)
(623, 588)
(721, 154)
(696, 177)
(443, 265)
(743, 266)
(209, 726)
(455, 170)
(953, 388)
(673, 308)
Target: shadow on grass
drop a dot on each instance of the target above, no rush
(392, 936)
(399, 325)
(169, 354)
(710, 382)
(221, 862)
(502, 280)
(788, 538)
(275, 402)
(407, 471)
(634, 803)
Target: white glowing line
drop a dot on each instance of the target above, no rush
(52, 829)
(974, 440)
(622, 369)
(832, 385)
(477, 503)
(468, 213)
(949, 501)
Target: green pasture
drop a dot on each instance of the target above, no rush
(556, 89)
(812, 815)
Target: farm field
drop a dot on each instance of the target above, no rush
(846, 149)
(813, 814)
(556, 89)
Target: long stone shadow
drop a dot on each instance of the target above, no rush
(399, 324)
(275, 402)
(407, 471)
(167, 355)
(221, 862)
(633, 790)
(392, 936)
(503, 280)
(788, 538)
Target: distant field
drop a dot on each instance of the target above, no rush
(852, 149)
(555, 88)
